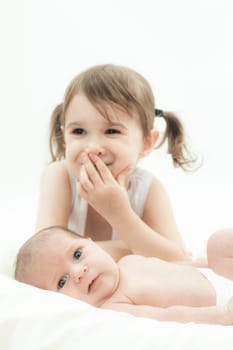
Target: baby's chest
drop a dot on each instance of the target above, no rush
(150, 282)
(140, 289)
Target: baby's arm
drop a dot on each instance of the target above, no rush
(184, 314)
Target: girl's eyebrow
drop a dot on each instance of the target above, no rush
(116, 124)
(75, 124)
(108, 124)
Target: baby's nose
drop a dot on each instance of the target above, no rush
(78, 273)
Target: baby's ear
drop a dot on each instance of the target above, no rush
(149, 142)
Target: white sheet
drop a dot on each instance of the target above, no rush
(33, 319)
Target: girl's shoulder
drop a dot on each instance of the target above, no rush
(54, 197)
(141, 175)
(142, 181)
(55, 171)
(146, 187)
(55, 167)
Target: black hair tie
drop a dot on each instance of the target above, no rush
(159, 113)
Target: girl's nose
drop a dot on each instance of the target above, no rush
(78, 273)
(95, 148)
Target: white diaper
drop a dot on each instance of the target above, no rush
(223, 287)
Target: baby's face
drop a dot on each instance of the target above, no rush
(78, 268)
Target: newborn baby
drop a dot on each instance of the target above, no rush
(59, 260)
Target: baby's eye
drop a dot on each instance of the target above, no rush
(78, 131)
(77, 254)
(112, 131)
(62, 281)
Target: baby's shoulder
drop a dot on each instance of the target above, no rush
(131, 259)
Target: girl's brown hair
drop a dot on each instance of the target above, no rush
(123, 88)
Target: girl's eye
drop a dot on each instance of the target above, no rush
(78, 131)
(77, 254)
(62, 281)
(112, 131)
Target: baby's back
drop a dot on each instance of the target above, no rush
(151, 281)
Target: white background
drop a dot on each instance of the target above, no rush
(184, 48)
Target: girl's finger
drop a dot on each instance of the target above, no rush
(92, 171)
(102, 168)
(84, 180)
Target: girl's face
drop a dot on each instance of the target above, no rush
(119, 142)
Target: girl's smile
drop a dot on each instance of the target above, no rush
(118, 141)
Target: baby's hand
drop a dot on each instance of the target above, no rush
(103, 192)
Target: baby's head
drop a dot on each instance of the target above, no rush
(59, 260)
(32, 251)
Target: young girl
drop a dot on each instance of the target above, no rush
(94, 186)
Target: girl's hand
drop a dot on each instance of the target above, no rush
(107, 195)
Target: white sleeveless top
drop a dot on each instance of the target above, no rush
(140, 182)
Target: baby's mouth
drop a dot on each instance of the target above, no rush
(91, 285)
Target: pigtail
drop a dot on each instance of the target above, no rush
(175, 136)
(56, 139)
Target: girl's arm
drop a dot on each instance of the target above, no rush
(142, 239)
(55, 197)
(158, 215)
(155, 235)
(55, 204)
(117, 249)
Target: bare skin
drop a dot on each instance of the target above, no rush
(144, 287)
(220, 252)
(101, 154)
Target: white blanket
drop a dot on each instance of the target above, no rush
(34, 319)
